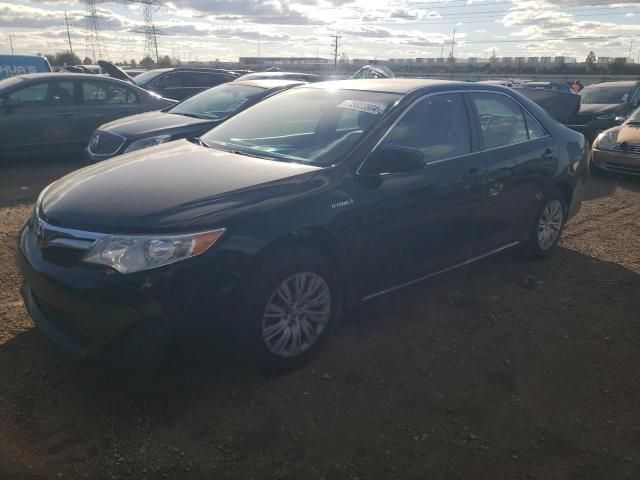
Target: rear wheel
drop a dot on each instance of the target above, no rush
(293, 308)
(547, 226)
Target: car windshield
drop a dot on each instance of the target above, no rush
(219, 102)
(146, 77)
(634, 118)
(309, 125)
(605, 95)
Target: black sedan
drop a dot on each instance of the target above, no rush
(311, 201)
(190, 118)
(55, 112)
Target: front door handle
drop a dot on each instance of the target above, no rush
(65, 114)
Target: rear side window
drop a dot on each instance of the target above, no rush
(533, 127)
(437, 126)
(45, 94)
(501, 120)
(104, 93)
(202, 79)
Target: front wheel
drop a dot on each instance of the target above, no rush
(547, 226)
(293, 308)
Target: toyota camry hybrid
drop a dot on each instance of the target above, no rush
(293, 210)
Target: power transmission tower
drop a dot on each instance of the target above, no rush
(149, 7)
(335, 45)
(95, 44)
(66, 21)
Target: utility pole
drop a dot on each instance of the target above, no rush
(453, 41)
(442, 49)
(630, 47)
(335, 44)
(66, 21)
(259, 44)
(11, 43)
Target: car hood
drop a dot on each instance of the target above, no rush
(626, 133)
(151, 122)
(595, 108)
(171, 187)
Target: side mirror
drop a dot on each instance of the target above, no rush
(393, 159)
(619, 119)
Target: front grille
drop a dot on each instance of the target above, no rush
(59, 320)
(104, 143)
(64, 257)
(626, 147)
(623, 168)
(62, 246)
(580, 120)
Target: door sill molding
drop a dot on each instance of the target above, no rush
(444, 270)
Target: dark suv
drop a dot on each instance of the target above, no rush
(182, 82)
(602, 104)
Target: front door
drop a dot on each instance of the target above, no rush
(414, 223)
(38, 116)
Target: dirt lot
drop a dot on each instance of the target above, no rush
(469, 376)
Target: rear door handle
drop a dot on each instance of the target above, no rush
(65, 114)
(549, 154)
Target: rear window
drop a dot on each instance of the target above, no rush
(605, 94)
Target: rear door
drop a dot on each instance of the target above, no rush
(520, 157)
(102, 102)
(40, 115)
(415, 223)
(196, 82)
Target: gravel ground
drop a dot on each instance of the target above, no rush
(469, 375)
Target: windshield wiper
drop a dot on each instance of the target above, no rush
(195, 115)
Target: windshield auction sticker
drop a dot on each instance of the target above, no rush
(360, 106)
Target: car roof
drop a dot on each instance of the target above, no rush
(619, 83)
(65, 76)
(268, 83)
(397, 85)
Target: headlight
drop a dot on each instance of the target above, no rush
(606, 140)
(133, 253)
(606, 116)
(147, 142)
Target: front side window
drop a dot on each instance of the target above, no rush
(103, 93)
(438, 127)
(303, 125)
(501, 120)
(44, 94)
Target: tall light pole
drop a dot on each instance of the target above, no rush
(11, 43)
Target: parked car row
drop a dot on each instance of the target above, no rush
(274, 221)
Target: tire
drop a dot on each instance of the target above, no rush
(546, 226)
(292, 308)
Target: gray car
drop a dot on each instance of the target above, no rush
(58, 112)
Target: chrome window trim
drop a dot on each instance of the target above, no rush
(444, 270)
(446, 159)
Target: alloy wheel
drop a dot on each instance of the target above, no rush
(296, 314)
(550, 224)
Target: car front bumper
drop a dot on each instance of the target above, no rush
(91, 157)
(97, 314)
(618, 162)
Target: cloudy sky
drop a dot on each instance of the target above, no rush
(226, 29)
